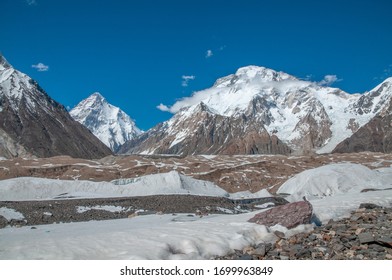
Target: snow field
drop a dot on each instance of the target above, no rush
(142, 237)
(27, 188)
(335, 179)
(334, 191)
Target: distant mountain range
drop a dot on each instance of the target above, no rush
(33, 124)
(254, 111)
(109, 123)
(261, 111)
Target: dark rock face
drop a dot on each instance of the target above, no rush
(39, 124)
(375, 136)
(289, 215)
(208, 134)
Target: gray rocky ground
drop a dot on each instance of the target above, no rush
(366, 235)
(78, 210)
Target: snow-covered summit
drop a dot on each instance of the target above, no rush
(253, 74)
(263, 74)
(109, 123)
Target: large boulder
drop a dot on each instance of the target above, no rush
(288, 215)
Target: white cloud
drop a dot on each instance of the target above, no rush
(40, 67)
(31, 2)
(186, 79)
(329, 80)
(163, 108)
(209, 53)
(196, 98)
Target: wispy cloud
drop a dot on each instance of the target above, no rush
(329, 80)
(209, 53)
(196, 98)
(40, 67)
(386, 73)
(31, 2)
(308, 77)
(186, 79)
(163, 108)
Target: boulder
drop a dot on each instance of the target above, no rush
(289, 215)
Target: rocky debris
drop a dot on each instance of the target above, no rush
(366, 235)
(3, 222)
(77, 210)
(289, 215)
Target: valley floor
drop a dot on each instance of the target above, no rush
(181, 217)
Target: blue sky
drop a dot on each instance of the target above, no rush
(139, 54)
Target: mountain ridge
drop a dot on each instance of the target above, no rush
(305, 116)
(34, 124)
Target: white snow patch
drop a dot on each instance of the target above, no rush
(142, 237)
(109, 208)
(247, 194)
(340, 206)
(28, 188)
(265, 205)
(11, 214)
(334, 179)
(209, 156)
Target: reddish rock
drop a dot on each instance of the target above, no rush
(289, 215)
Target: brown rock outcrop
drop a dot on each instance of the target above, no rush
(289, 215)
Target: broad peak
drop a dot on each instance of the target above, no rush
(263, 73)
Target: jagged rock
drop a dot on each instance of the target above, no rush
(365, 237)
(289, 215)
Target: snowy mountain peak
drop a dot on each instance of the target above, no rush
(97, 96)
(262, 74)
(252, 74)
(4, 63)
(109, 123)
(94, 100)
(306, 116)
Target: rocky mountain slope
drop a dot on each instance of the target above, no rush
(201, 131)
(259, 110)
(109, 123)
(32, 123)
(376, 135)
